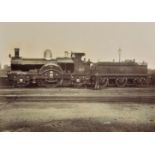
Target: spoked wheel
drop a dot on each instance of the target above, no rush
(51, 75)
(21, 82)
(141, 82)
(121, 81)
(19, 85)
(50, 83)
(53, 84)
(97, 85)
(93, 82)
(50, 79)
(103, 82)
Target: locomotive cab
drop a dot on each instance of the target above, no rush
(81, 73)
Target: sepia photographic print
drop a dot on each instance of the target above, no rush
(77, 77)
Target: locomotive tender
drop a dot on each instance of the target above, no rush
(71, 70)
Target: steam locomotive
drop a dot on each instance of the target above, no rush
(74, 71)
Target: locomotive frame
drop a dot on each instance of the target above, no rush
(72, 71)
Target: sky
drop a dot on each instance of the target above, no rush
(100, 41)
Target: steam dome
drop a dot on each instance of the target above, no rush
(48, 54)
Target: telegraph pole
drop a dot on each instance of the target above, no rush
(119, 54)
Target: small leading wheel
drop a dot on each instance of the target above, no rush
(121, 81)
(21, 82)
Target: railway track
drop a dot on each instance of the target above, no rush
(137, 99)
(138, 95)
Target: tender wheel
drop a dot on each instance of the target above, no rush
(141, 82)
(97, 85)
(93, 82)
(121, 81)
(103, 82)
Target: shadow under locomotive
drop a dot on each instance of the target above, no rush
(74, 71)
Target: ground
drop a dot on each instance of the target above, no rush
(35, 113)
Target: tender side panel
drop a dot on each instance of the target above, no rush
(120, 69)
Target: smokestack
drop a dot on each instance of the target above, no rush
(16, 52)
